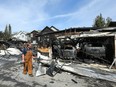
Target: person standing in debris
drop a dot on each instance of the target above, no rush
(27, 56)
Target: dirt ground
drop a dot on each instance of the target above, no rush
(11, 76)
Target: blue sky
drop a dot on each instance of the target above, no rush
(28, 15)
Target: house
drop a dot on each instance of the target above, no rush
(20, 36)
(32, 36)
(43, 38)
(28, 37)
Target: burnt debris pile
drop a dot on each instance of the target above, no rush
(8, 49)
(85, 49)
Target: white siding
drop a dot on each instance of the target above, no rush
(21, 36)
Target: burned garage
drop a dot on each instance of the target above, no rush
(96, 46)
(100, 48)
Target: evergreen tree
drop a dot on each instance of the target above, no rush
(10, 31)
(101, 22)
(6, 30)
(6, 33)
(1, 35)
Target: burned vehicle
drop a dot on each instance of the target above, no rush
(99, 49)
(94, 50)
(69, 52)
(64, 48)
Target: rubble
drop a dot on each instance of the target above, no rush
(14, 51)
(49, 71)
(80, 70)
(12, 73)
(41, 70)
(8, 48)
(10, 51)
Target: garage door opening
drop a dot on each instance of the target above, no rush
(100, 48)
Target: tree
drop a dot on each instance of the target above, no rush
(7, 32)
(101, 22)
(108, 20)
(1, 35)
(10, 31)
